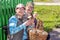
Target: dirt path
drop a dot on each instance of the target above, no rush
(56, 0)
(46, 3)
(55, 34)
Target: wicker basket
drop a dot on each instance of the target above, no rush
(38, 33)
(35, 34)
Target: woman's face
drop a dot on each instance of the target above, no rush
(20, 11)
(29, 9)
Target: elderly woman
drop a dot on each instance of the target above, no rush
(28, 13)
(17, 24)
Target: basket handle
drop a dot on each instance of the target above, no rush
(37, 24)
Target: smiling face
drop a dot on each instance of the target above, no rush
(29, 7)
(20, 10)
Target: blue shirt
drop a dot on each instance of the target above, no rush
(14, 29)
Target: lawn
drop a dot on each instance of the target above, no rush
(50, 15)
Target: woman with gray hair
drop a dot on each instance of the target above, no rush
(18, 24)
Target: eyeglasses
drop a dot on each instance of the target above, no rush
(20, 8)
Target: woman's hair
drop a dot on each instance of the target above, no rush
(20, 5)
(30, 4)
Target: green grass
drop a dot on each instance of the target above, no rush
(50, 15)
